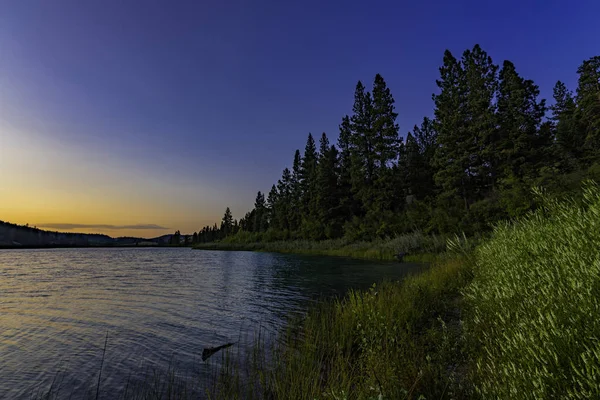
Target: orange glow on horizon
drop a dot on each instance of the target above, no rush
(48, 183)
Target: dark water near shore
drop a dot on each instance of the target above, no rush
(159, 306)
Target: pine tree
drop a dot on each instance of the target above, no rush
(569, 137)
(308, 174)
(413, 164)
(427, 143)
(260, 223)
(282, 210)
(227, 223)
(481, 82)
(417, 163)
(520, 115)
(272, 199)
(296, 192)
(362, 148)
(327, 194)
(453, 158)
(348, 205)
(176, 238)
(386, 141)
(466, 125)
(386, 146)
(588, 105)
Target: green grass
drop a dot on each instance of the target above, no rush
(534, 304)
(415, 244)
(397, 340)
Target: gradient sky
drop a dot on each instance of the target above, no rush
(123, 117)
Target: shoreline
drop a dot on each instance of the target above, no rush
(419, 248)
(411, 258)
(67, 246)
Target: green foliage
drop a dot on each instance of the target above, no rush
(588, 105)
(379, 249)
(466, 125)
(469, 167)
(534, 301)
(519, 116)
(227, 223)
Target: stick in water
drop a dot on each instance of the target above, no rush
(209, 351)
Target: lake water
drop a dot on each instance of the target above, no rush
(159, 306)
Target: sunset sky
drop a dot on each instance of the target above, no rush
(139, 118)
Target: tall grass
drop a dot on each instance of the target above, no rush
(379, 249)
(395, 341)
(534, 304)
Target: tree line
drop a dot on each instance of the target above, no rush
(490, 140)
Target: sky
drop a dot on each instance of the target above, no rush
(137, 118)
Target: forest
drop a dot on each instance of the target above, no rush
(491, 139)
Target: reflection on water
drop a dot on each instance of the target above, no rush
(158, 305)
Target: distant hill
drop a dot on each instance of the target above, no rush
(13, 235)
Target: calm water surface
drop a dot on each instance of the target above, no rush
(159, 306)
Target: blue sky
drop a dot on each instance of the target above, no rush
(162, 113)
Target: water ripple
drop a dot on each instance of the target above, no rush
(159, 306)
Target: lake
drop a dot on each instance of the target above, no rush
(160, 306)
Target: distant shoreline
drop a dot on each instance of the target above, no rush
(66, 246)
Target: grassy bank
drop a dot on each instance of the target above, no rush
(416, 244)
(534, 305)
(395, 341)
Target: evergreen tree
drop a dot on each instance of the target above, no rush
(453, 158)
(588, 105)
(175, 238)
(348, 205)
(466, 125)
(282, 210)
(296, 192)
(386, 146)
(362, 146)
(413, 164)
(426, 138)
(520, 115)
(327, 193)
(569, 137)
(481, 81)
(260, 218)
(386, 142)
(272, 200)
(227, 223)
(308, 174)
